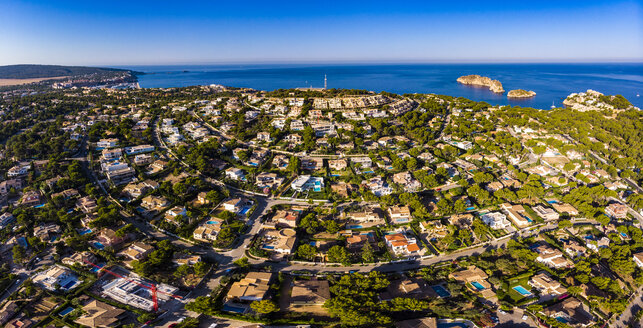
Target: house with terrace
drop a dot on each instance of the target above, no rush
(545, 212)
(254, 287)
(495, 220)
(403, 244)
(546, 286)
(475, 278)
(551, 257)
(399, 214)
(306, 182)
(365, 218)
(572, 311)
(517, 214)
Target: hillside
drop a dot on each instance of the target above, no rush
(44, 71)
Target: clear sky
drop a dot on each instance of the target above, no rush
(115, 32)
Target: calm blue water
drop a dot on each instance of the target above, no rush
(551, 82)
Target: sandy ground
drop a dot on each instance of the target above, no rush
(5, 82)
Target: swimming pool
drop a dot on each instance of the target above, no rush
(85, 231)
(230, 308)
(39, 206)
(354, 226)
(441, 291)
(477, 285)
(99, 245)
(522, 290)
(244, 210)
(66, 311)
(452, 325)
(95, 269)
(69, 284)
(212, 222)
(268, 247)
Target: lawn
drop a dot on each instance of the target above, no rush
(520, 280)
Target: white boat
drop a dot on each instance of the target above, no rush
(552, 105)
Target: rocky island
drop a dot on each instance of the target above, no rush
(520, 93)
(493, 85)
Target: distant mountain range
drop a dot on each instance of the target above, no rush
(44, 71)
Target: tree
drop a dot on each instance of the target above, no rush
(367, 252)
(307, 251)
(145, 317)
(242, 262)
(564, 224)
(575, 290)
(264, 306)
(201, 268)
(182, 271)
(459, 206)
(18, 253)
(338, 254)
(202, 304)
(293, 164)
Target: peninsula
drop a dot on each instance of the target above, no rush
(493, 85)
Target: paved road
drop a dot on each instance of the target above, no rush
(635, 305)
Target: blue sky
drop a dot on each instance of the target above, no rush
(194, 32)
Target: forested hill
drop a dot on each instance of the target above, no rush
(40, 71)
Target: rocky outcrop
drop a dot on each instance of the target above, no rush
(520, 93)
(594, 100)
(493, 85)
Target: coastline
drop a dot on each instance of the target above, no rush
(551, 82)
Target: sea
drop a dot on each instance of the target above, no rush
(551, 82)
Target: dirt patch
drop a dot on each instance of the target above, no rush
(6, 82)
(555, 160)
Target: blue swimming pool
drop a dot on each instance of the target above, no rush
(95, 269)
(69, 284)
(369, 172)
(99, 245)
(354, 226)
(39, 206)
(212, 222)
(85, 231)
(452, 325)
(522, 290)
(441, 291)
(66, 311)
(230, 308)
(244, 210)
(552, 201)
(477, 285)
(268, 247)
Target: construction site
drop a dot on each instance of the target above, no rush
(126, 287)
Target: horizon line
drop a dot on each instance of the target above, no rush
(357, 62)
